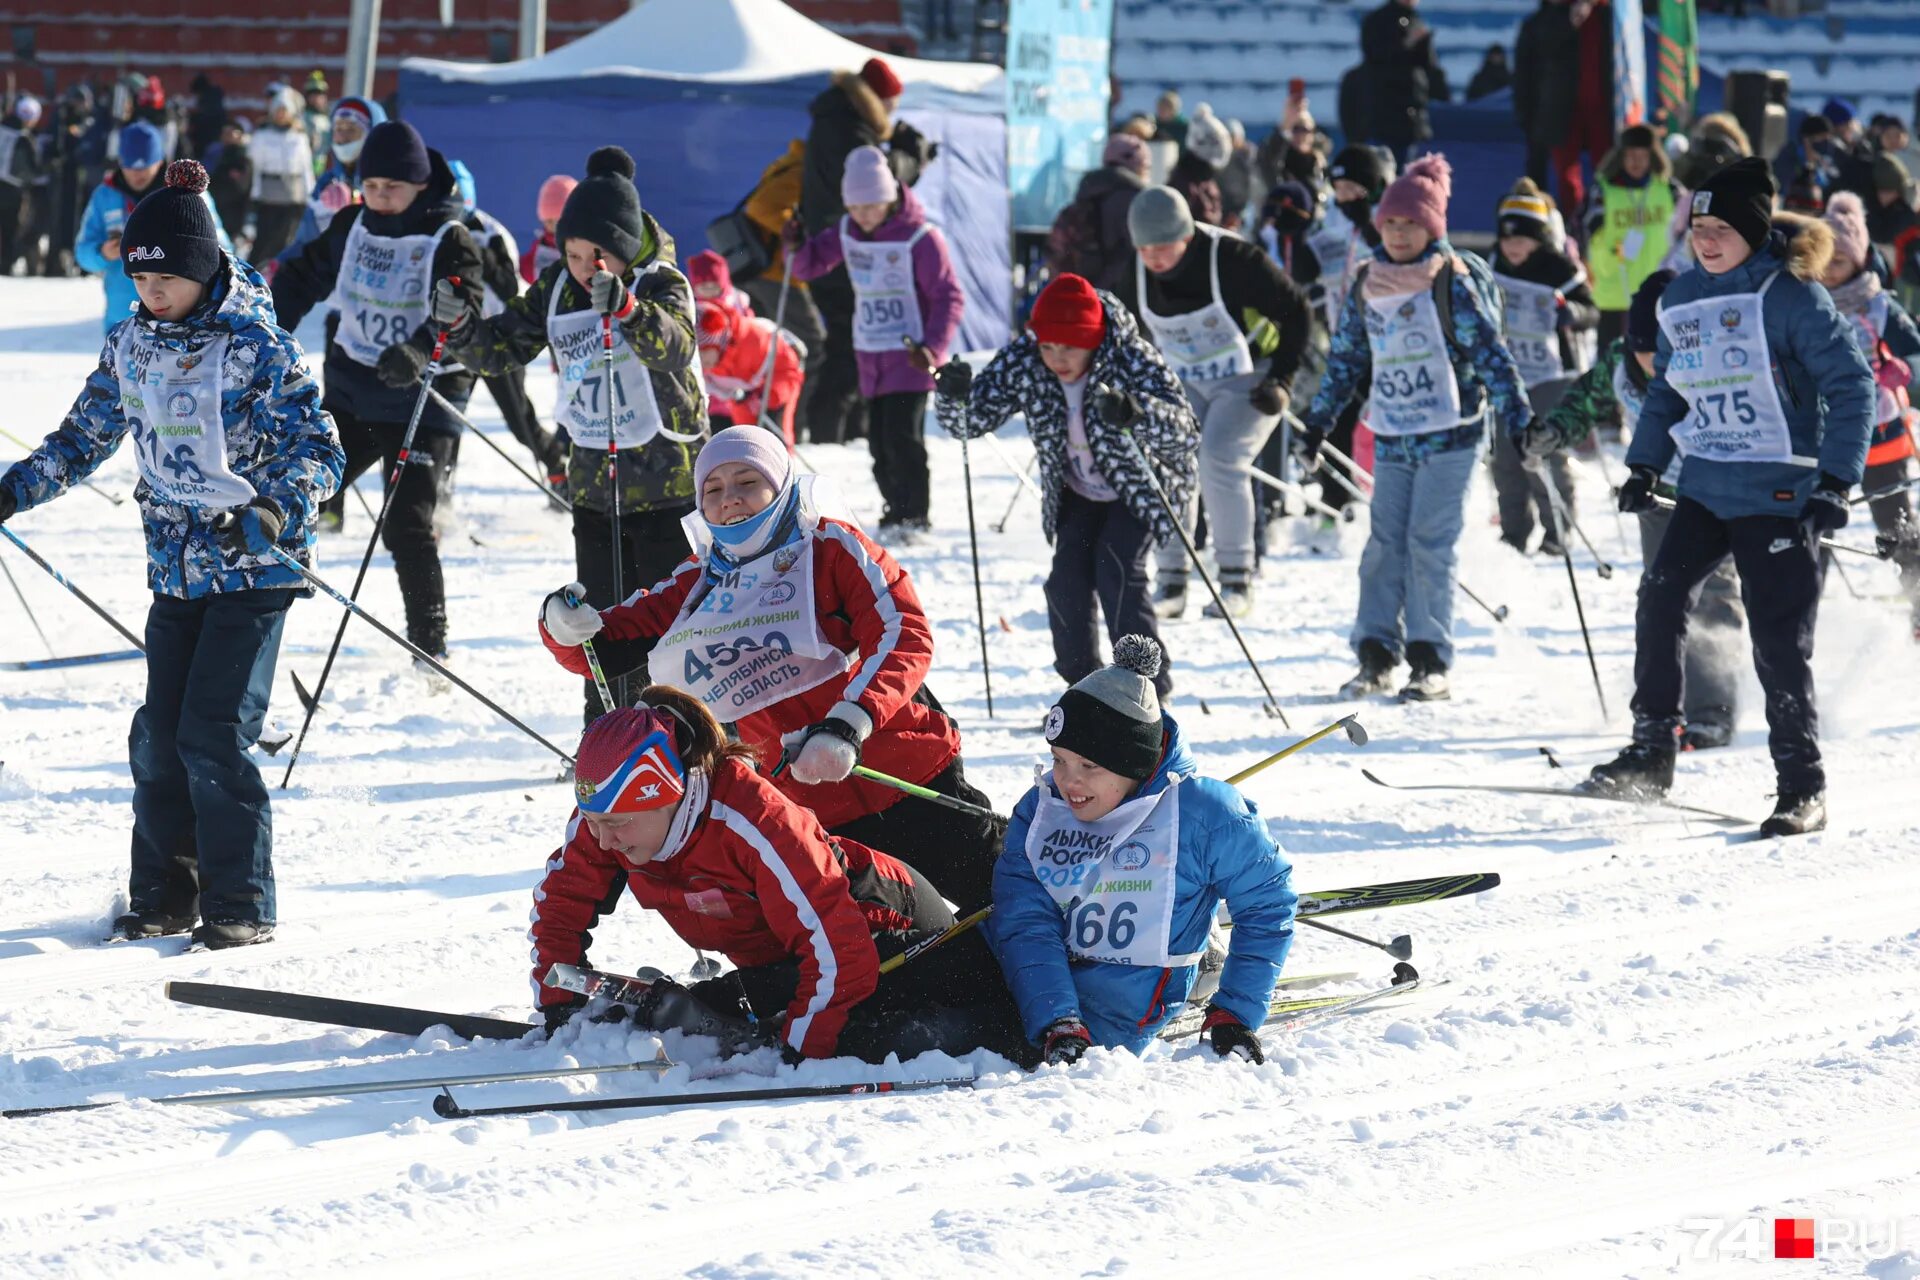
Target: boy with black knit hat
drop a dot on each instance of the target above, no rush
(1116, 864)
(1760, 389)
(377, 262)
(616, 267)
(235, 452)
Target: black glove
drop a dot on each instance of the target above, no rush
(558, 1015)
(1231, 1037)
(1539, 440)
(1064, 1040)
(8, 504)
(1826, 508)
(448, 305)
(792, 235)
(1637, 493)
(609, 295)
(955, 380)
(401, 365)
(253, 529)
(1268, 398)
(1119, 408)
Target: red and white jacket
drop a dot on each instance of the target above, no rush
(869, 610)
(756, 879)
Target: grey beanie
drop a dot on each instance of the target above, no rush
(1159, 215)
(1112, 717)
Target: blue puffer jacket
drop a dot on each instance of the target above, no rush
(1482, 366)
(1225, 852)
(279, 440)
(1824, 384)
(106, 214)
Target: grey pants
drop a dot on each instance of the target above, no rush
(1231, 433)
(1716, 634)
(1522, 494)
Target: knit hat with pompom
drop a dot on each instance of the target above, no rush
(605, 209)
(1113, 716)
(1420, 195)
(171, 232)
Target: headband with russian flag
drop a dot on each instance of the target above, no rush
(651, 777)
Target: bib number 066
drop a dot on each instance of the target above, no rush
(1090, 923)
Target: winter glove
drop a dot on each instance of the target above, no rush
(955, 380)
(448, 306)
(1539, 440)
(8, 504)
(1826, 508)
(401, 365)
(827, 751)
(568, 618)
(610, 297)
(253, 529)
(557, 1016)
(1231, 1037)
(1269, 398)
(1064, 1040)
(1311, 441)
(920, 357)
(1119, 409)
(1637, 493)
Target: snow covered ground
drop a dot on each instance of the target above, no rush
(1645, 1026)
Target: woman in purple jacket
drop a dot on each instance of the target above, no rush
(907, 311)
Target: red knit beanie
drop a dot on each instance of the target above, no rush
(1068, 312)
(714, 325)
(880, 78)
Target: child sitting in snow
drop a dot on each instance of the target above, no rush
(1116, 863)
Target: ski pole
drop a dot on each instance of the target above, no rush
(1558, 511)
(354, 609)
(1018, 489)
(613, 469)
(1347, 473)
(445, 1107)
(923, 793)
(1345, 514)
(925, 945)
(593, 663)
(1006, 460)
(973, 546)
(1193, 555)
(115, 498)
(1891, 491)
(26, 608)
(1606, 475)
(461, 418)
(1498, 615)
(1355, 734)
(1831, 544)
(400, 463)
(78, 594)
(1565, 517)
(1400, 948)
(246, 1097)
(765, 381)
(1845, 581)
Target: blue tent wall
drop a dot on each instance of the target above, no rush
(698, 147)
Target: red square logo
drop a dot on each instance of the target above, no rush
(1793, 1237)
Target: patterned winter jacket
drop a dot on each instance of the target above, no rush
(1481, 363)
(1015, 381)
(658, 475)
(279, 440)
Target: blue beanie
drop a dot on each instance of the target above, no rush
(396, 151)
(141, 145)
(1838, 112)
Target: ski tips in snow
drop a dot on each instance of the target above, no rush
(1567, 793)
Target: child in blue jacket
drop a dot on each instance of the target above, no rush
(1115, 865)
(235, 454)
(143, 150)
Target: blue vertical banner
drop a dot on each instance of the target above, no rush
(1058, 54)
(1629, 63)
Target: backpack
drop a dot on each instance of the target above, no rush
(1073, 243)
(1479, 279)
(734, 237)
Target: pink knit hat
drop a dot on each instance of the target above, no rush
(553, 196)
(867, 180)
(758, 447)
(1848, 219)
(1420, 194)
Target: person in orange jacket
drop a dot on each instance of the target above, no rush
(740, 388)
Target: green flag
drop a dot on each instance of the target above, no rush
(1677, 81)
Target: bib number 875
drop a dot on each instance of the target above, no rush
(1740, 403)
(1090, 923)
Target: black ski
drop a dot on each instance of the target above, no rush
(1395, 893)
(342, 1013)
(1565, 793)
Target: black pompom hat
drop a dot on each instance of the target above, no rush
(605, 209)
(1112, 717)
(171, 232)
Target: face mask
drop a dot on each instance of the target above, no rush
(1358, 212)
(348, 152)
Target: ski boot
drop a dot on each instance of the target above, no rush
(1170, 599)
(219, 935)
(1376, 671)
(1644, 771)
(1708, 732)
(1428, 680)
(151, 922)
(1796, 813)
(1236, 593)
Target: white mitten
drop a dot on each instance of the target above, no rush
(829, 750)
(567, 616)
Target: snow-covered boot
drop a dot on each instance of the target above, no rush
(1376, 671)
(218, 935)
(151, 923)
(1644, 771)
(1796, 813)
(1428, 680)
(1708, 732)
(1236, 593)
(1170, 599)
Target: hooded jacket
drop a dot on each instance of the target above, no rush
(1825, 387)
(278, 440)
(306, 281)
(848, 114)
(1016, 381)
(106, 214)
(1224, 853)
(1109, 190)
(337, 187)
(740, 367)
(658, 475)
(935, 286)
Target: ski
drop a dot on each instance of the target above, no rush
(1564, 793)
(77, 660)
(445, 1107)
(1395, 893)
(1287, 1012)
(342, 1013)
(617, 987)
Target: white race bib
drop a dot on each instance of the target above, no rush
(1115, 880)
(1204, 345)
(751, 639)
(1531, 333)
(172, 406)
(1721, 367)
(1413, 384)
(382, 289)
(579, 350)
(886, 306)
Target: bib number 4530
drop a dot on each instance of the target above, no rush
(1090, 923)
